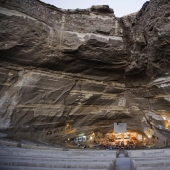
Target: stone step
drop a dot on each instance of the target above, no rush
(6, 167)
(55, 159)
(151, 163)
(154, 168)
(57, 164)
(58, 153)
(151, 158)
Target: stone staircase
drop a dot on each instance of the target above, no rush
(13, 158)
(148, 163)
(151, 160)
(48, 158)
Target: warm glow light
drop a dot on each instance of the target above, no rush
(164, 118)
(91, 137)
(166, 124)
(149, 136)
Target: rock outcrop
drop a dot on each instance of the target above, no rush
(82, 70)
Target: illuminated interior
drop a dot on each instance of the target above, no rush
(128, 140)
(107, 138)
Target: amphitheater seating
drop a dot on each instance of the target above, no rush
(151, 160)
(14, 158)
(32, 157)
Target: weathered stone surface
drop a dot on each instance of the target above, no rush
(149, 42)
(83, 67)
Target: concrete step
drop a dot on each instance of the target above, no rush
(6, 167)
(151, 163)
(153, 168)
(3, 157)
(151, 158)
(58, 153)
(57, 164)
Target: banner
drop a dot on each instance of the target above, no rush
(120, 127)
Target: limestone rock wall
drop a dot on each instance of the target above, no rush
(86, 68)
(62, 38)
(149, 40)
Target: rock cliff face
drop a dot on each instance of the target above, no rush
(79, 71)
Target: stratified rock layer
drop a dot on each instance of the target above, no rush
(85, 68)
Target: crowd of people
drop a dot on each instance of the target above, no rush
(108, 146)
